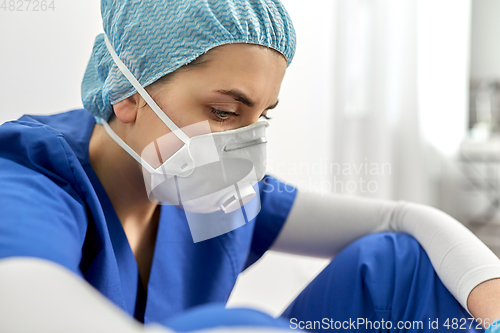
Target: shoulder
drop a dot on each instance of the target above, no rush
(276, 201)
(276, 195)
(45, 146)
(47, 132)
(42, 188)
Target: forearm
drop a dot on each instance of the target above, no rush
(460, 259)
(322, 225)
(40, 296)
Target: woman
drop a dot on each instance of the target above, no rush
(76, 202)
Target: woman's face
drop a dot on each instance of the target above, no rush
(234, 87)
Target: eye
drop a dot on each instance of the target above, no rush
(222, 116)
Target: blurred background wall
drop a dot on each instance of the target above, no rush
(485, 51)
(43, 56)
(376, 103)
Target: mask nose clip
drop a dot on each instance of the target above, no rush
(232, 147)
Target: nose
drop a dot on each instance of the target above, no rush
(252, 118)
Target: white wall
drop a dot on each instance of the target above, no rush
(485, 48)
(443, 76)
(43, 57)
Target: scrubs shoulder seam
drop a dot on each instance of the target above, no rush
(60, 139)
(285, 204)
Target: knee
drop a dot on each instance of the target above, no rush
(383, 254)
(388, 243)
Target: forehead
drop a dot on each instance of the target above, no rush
(254, 69)
(230, 52)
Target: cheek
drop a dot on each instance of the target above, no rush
(182, 107)
(147, 129)
(155, 142)
(159, 150)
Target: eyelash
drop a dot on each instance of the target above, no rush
(223, 116)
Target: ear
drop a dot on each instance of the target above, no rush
(126, 110)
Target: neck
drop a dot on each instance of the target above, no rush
(121, 177)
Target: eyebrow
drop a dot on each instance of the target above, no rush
(241, 97)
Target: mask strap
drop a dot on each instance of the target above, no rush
(126, 147)
(121, 66)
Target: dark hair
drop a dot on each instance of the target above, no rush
(166, 78)
(204, 58)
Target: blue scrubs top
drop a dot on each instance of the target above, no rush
(54, 207)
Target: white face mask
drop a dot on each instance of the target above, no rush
(209, 173)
